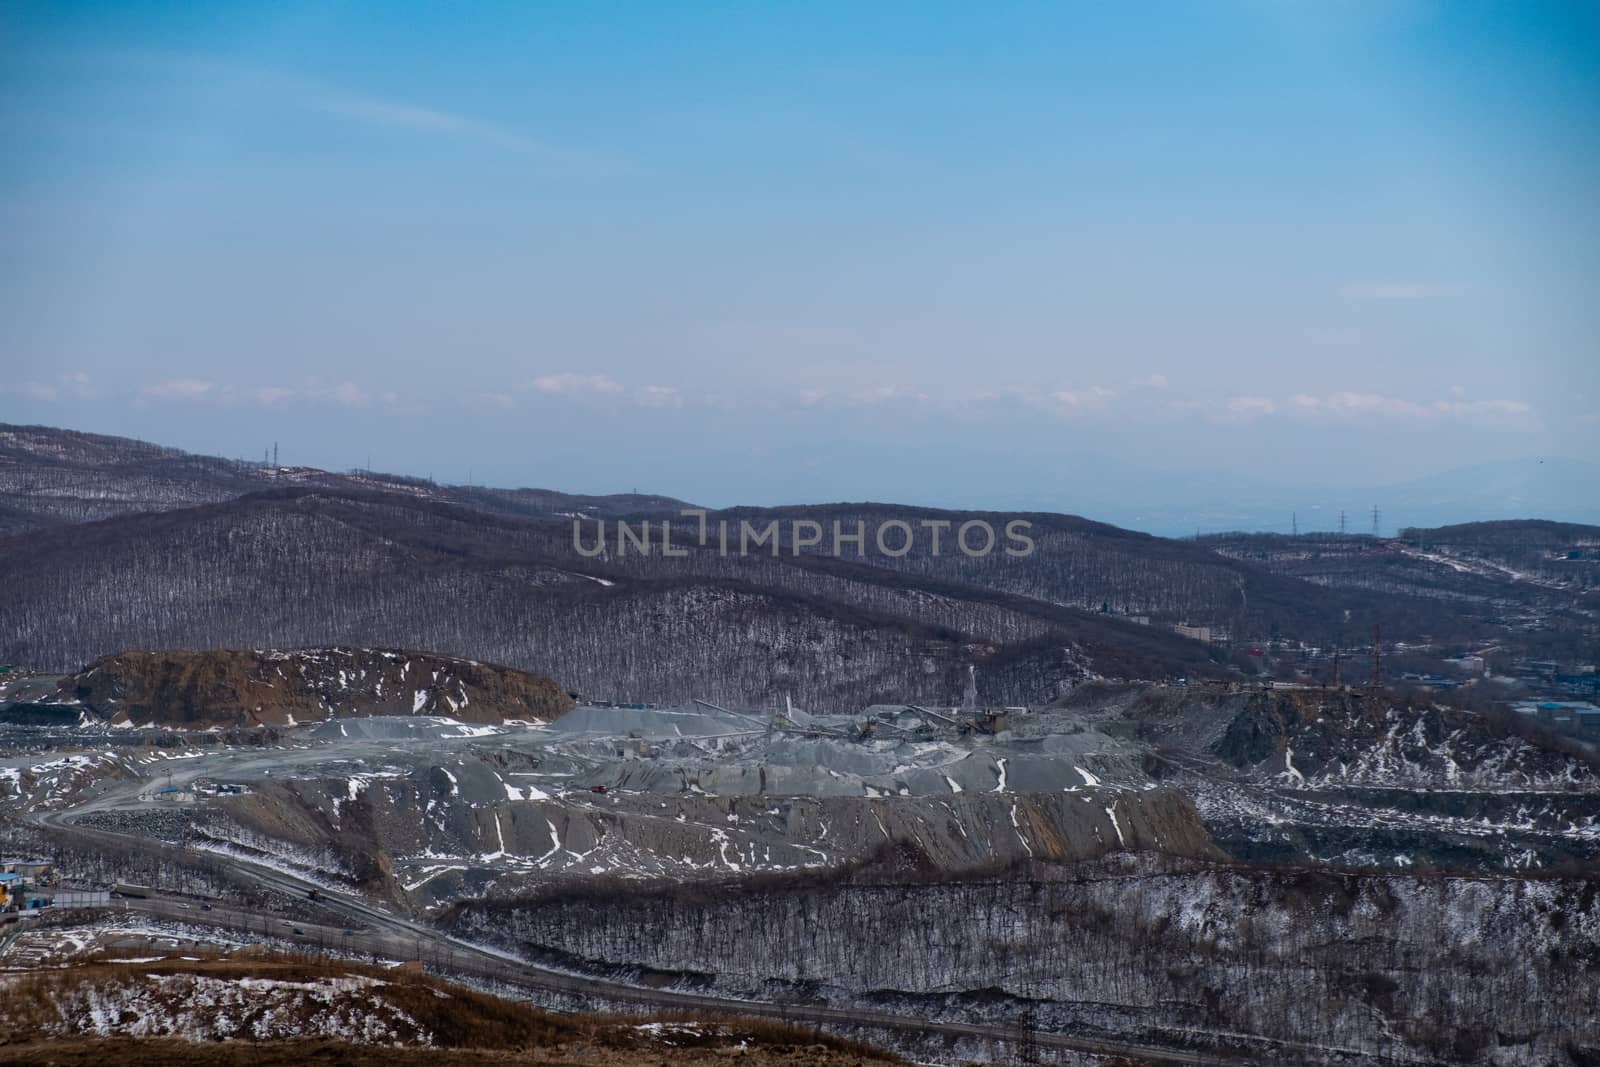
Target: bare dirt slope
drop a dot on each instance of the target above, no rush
(233, 687)
(269, 1011)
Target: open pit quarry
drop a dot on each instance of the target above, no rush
(1115, 870)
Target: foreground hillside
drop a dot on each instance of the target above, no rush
(243, 1010)
(250, 688)
(1274, 966)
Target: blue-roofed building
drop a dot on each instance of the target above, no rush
(1571, 716)
(32, 869)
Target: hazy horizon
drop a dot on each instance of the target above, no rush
(1076, 259)
(1527, 488)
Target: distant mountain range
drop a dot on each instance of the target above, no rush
(1179, 505)
(49, 477)
(117, 544)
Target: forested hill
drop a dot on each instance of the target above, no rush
(1101, 568)
(1529, 543)
(1540, 580)
(294, 568)
(190, 552)
(50, 477)
(309, 567)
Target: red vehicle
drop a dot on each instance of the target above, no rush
(597, 789)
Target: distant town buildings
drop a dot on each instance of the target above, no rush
(33, 870)
(1568, 716)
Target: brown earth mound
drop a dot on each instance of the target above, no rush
(241, 687)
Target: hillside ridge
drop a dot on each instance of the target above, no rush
(251, 687)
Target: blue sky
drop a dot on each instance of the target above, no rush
(981, 254)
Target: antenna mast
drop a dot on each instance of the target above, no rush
(1377, 656)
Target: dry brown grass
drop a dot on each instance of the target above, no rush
(168, 1052)
(723, 1030)
(465, 1027)
(454, 1016)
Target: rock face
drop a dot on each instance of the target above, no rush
(232, 687)
(426, 827)
(1351, 736)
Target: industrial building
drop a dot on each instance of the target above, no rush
(33, 870)
(1568, 716)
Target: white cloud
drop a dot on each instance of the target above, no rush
(179, 389)
(349, 394)
(659, 396)
(1095, 396)
(883, 394)
(1246, 406)
(812, 397)
(495, 401)
(569, 383)
(1348, 403)
(1153, 381)
(268, 395)
(312, 94)
(345, 394)
(423, 119)
(1062, 401)
(1483, 407)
